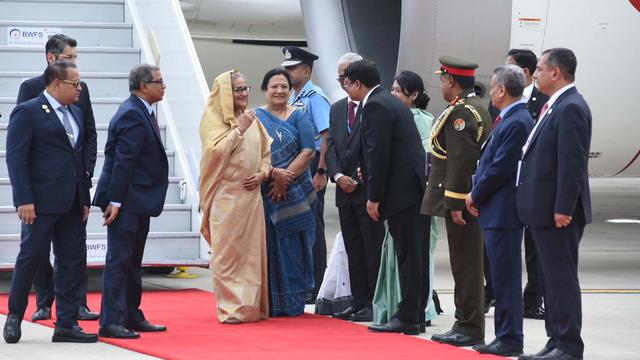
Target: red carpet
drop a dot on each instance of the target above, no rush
(194, 333)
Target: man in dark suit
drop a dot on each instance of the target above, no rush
(362, 236)
(493, 201)
(46, 167)
(553, 199)
(532, 298)
(394, 169)
(61, 47)
(456, 139)
(131, 189)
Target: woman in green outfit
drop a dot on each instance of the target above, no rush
(408, 87)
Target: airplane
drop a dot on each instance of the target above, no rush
(412, 34)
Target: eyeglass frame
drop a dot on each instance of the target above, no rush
(74, 83)
(241, 89)
(160, 81)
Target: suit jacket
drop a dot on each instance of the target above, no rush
(343, 152)
(395, 158)
(554, 171)
(43, 167)
(136, 170)
(494, 189)
(33, 87)
(534, 104)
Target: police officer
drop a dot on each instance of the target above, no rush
(311, 99)
(456, 140)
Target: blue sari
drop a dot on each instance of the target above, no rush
(291, 222)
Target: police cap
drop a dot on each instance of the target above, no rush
(294, 55)
(456, 66)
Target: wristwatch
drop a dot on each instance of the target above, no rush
(321, 171)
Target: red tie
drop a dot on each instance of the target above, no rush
(352, 114)
(544, 110)
(495, 123)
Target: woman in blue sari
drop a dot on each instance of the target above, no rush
(288, 198)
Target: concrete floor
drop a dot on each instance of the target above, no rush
(609, 275)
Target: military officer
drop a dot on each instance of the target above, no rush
(312, 100)
(456, 140)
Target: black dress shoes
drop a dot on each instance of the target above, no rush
(73, 335)
(555, 354)
(85, 314)
(43, 313)
(498, 347)
(12, 331)
(145, 326)
(457, 339)
(117, 332)
(346, 314)
(545, 350)
(364, 315)
(397, 326)
(536, 312)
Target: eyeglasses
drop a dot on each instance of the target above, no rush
(75, 84)
(241, 89)
(340, 79)
(161, 82)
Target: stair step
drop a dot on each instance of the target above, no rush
(101, 85)
(99, 162)
(86, 33)
(90, 59)
(103, 109)
(173, 193)
(174, 217)
(161, 248)
(66, 10)
(101, 130)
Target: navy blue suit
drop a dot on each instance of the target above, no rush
(47, 171)
(32, 88)
(135, 174)
(494, 193)
(554, 179)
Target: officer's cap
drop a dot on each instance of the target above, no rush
(456, 66)
(293, 56)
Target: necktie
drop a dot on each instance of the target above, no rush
(67, 125)
(352, 114)
(495, 123)
(544, 110)
(155, 124)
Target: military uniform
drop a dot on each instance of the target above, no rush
(456, 140)
(316, 105)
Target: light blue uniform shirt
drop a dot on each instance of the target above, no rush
(314, 102)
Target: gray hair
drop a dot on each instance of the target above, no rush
(512, 78)
(348, 58)
(139, 74)
(235, 75)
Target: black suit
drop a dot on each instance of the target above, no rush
(32, 88)
(362, 236)
(554, 179)
(532, 296)
(395, 175)
(135, 174)
(47, 171)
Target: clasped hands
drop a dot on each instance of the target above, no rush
(280, 181)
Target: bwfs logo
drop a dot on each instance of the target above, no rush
(15, 34)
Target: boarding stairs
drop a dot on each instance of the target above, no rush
(112, 38)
